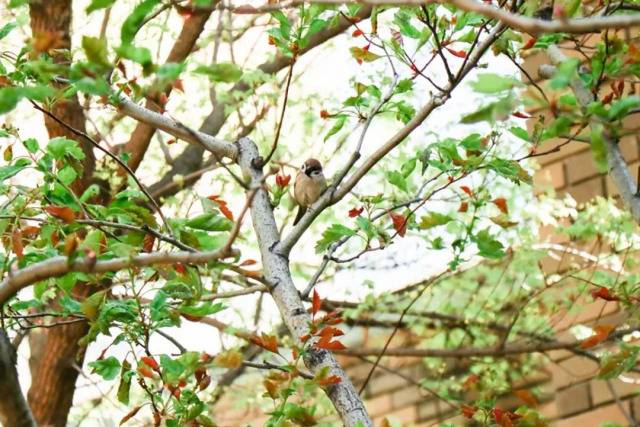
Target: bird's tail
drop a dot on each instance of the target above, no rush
(301, 212)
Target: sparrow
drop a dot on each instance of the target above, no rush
(309, 186)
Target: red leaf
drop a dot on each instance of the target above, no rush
(171, 141)
(30, 231)
(130, 415)
(354, 212)
(458, 53)
(326, 344)
(177, 85)
(527, 397)
(248, 262)
(399, 223)
(501, 203)
(61, 212)
(467, 190)
(147, 242)
(145, 372)
(464, 206)
(282, 181)
(316, 303)
(468, 411)
(605, 294)
(471, 380)
(529, 44)
(600, 333)
(329, 331)
(150, 362)
(225, 211)
(324, 114)
(521, 115)
(268, 342)
(607, 99)
(357, 33)
(16, 243)
(331, 380)
(180, 268)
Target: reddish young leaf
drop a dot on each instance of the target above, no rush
(248, 262)
(316, 303)
(470, 381)
(30, 231)
(607, 99)
(600, 333)
(225, 211)
(605, 294)
(150, 362)
(61, 212)
(357, 33)
(326, 344)
(180, 268)
(354, 212)
(272, 41)
(468, 411)
(282, 181)
(527, 397)
(399, 223)
(330, 331)
(466, 190)
(177, 85)
(147, 242)
(70, 244)
(130, 415)
(464, 206)
(529, 44)
(328, 381)
(501, 203)
(324, 114)
(268, 342)
(16, 243)
(521, 115)
(145, 372)
(458, 53)
(171, 141)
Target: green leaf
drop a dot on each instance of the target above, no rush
(621, 107)
(141, 55)
(363, 55)
(434, 219)
(96, 50)
(107, 368)
(499, 110)
(211, 221)
(488, 246)
(99, 4)
(285, 26)
(367, 226)
(125, 382)
(598, 148)
(205, 309)
(6, 29)
(340, 121)
(225, 72)
(520, 133)
(31, 145)
(494, 83)
(134, 21)
(67, 175)
(7, 172)
(616, 363)
(333, 234)
(408, 167)
(397, 179)
(60, 147)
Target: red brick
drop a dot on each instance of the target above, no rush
(564, 152)
(601, 393)
(629, 148)
(587, 190)
(573, 400)
(572, 371)
(386, 383)
(596, 417)
(408, 396)
(404, 416)
(580, 167)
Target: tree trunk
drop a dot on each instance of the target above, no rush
(14, 410)
(55, 350)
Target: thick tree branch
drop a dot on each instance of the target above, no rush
(14, 410)
(60, 265)
(276, 270)
(533, 26)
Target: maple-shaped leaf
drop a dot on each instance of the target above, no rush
(399, 223)
(468, 411)
(363, 54)
(61, 212)
(600, 333)
(268, 342)
(354, 212)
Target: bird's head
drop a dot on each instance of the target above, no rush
(312, 168)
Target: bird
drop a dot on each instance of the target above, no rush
(309, 186)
